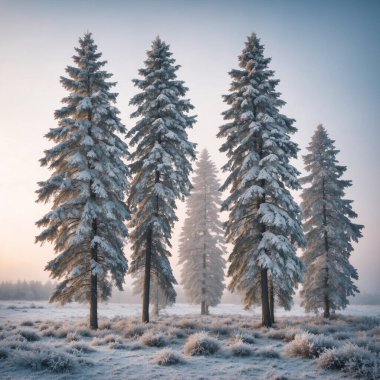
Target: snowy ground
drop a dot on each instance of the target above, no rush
(43, 341)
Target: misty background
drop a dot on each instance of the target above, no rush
(326, 55)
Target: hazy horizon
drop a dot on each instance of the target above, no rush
(326, 55)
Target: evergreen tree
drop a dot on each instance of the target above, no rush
(328, 228)
(87, 186)
(264, 220)
(160, 166)
(201, 244)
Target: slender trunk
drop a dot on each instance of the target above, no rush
(265, 312)
(94, 285)
(271, 300)
(265, 308)
(203, 305)
(156, 309)
(94, 248)
(203, 308)
(148, 260)
(326, 307)
(148, 264)
(326, 300)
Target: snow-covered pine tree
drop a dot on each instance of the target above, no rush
(87, 186)
(158, 299)
(329, 230)
(160, 167)
(264, 220)
(201, 244)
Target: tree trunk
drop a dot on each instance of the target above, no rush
(156, 309)
(148, 264)
(265, 308)
(326, 307)
(94, 284)
(203, 304)
(326, 301)
(271, 300)
(94, 249)
(203, 308)
(265, 312)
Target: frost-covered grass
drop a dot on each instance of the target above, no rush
(201, 343)
(46, 358)
(167, 357)
(350, 358)
(225, 346)
(310, 346)
(153, 339)
(239, 348)
(109, 338)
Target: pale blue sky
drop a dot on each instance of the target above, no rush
(326, 54)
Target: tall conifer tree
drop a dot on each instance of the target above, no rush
(264, 220)
(329, 230)
(160, 166)
(157, 298)
(87, 186)
(201, 244)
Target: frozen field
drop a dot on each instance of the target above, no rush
(43, 341)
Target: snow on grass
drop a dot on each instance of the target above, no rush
(310, 346)
(153, 339)
(201, 344)
(239, 348)
(110, 338)
(167, 357)
(29, 335)
(350, 358)
(46, 358)
(230, 346)
(79, 348)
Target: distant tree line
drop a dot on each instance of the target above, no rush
(26, 290)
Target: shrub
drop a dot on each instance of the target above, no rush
(4, 352)
(134, 331)
(268, 353)
(27, 323)
(276, 334)
(342, 335)
(350, 358)
(111, 338)
(321, 343)
(167, 357)
(72, 337)
(151, 339)
(79, 347)
(300, 346)
(29, 335)
(186, 323)
(48, 331)
(239, 348)
(201, 344)
(118, 346)
(84, 331)
(15, 342)
(219, 328)
(105, 325)
(46, 358)
(177, 333)
(245, 338)
(309, 346)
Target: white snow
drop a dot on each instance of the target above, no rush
(116, 351)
